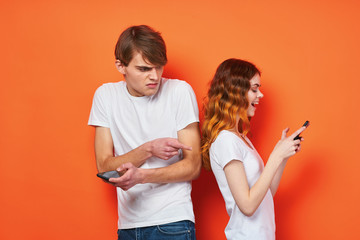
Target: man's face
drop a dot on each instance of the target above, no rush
(142, 78)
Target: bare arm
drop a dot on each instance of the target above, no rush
(248, 199)
(184, 170)
(276, 180)
(163, 148)
(104, 152)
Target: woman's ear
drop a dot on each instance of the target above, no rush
(120, 67)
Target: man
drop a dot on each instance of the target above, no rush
(147, 128)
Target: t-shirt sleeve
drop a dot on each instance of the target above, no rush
(225, 149)
(186, 108)
(99, 114)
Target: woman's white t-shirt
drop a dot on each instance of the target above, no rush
(261, 225)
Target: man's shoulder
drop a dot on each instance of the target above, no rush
(175, 84)
(110, 88)
(112, 85)
(171, 81)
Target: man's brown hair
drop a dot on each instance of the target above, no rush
(142, 39)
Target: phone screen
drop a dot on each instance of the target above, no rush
(109, 174)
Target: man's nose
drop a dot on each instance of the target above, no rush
(154, 74)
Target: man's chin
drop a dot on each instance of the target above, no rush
(151, 93)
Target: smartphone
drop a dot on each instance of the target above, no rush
(109, 174)
(306, 124)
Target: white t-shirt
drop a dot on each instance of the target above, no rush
(261, 225)
(134, 121)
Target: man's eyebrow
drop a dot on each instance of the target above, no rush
(141, 66)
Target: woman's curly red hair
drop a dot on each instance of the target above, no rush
(227, 102)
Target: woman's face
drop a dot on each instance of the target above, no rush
(254, 95)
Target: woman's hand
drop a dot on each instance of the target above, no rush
(287, 146)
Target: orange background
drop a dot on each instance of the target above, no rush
(54, 54)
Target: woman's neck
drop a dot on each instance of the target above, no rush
(241, 136)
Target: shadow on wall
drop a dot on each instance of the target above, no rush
(209, 208)
(172, 72)
(298, 190)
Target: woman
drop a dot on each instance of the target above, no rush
(246, 185)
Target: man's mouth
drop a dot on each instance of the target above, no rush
(152, 85)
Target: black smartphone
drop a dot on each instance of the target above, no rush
(306, 124)
(109, 174)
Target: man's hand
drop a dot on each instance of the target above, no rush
(132, 176)
(166, 148)
(185, 170)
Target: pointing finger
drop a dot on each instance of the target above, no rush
(284, 132)
(300, 130)
(179, 145)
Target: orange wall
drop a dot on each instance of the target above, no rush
(56, 53)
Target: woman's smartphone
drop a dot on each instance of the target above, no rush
(110, 174)
(306, 124)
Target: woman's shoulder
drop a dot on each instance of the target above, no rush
(226, 134)
(226, 147)
(225, 138)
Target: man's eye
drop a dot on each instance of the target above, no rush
(144, 69)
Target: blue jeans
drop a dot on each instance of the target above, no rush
(183, 230)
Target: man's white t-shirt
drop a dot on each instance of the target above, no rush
(134, 121)
(261, 225)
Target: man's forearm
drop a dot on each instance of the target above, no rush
(163, 148)
(137, 157)
(183, 170)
